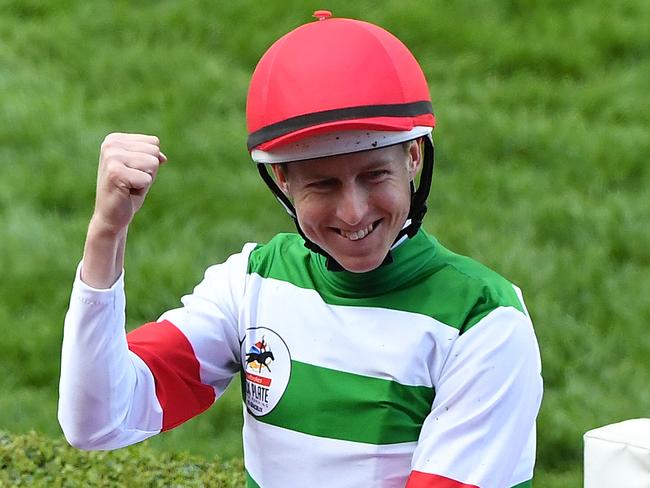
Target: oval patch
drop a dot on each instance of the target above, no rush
(267, 367)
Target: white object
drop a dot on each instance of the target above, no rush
(618, 455)
(333, 143)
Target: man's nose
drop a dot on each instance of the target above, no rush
(352, 205)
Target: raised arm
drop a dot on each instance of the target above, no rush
(116, 388)
(98, 373)
(128, 165)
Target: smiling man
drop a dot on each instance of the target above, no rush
(353, 205)
(369, 355)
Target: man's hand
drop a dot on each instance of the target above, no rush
(128, 164)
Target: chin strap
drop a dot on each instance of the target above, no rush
(416, 213)
(419, 196)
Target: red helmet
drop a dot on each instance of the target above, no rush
(335, 77)
(335, 74)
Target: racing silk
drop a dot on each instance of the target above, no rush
(422, 373)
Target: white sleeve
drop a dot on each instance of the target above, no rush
(117, 389)
(481, 429)
(100, 378)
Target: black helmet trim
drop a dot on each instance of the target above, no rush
(300, 122)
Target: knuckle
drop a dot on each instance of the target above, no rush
(113, 177)
(113, 171)
(111, 152)
(111, 141)
(111, 137)
(152, 160)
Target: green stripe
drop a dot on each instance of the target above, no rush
(338, 405)
(525, 484)
(250, 482)
(424, 278)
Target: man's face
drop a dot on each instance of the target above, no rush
(353, 205)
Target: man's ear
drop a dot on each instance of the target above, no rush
(280, 173)
(414, 157)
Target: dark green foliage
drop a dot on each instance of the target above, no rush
(35, 460)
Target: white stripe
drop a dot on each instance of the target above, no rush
(524, 469)
(297, 459)
(334, 143)
(406, 347)
(209, 319)
(486, 403)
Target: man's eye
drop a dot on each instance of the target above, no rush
(322, 184)
(378, 174)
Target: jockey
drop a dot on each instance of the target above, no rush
(446, 394)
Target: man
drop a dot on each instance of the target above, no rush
(369, 355)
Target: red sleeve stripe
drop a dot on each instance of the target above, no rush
(171, 359)
(418, 479)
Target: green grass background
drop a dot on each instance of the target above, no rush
(543, 141)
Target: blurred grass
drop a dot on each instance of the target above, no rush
(542, 143)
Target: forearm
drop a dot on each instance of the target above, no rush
(103, 258)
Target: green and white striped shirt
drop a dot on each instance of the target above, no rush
(424, 372)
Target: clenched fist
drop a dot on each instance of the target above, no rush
(128, 164)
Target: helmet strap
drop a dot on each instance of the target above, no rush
(419, 196)
(416, 213)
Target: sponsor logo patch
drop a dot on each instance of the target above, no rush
(267, 368)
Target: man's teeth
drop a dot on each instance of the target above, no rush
(357, 234)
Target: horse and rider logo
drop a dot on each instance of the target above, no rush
(267, 367)
(259, 356)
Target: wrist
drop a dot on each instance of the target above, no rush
(103, 254)
(100, 230)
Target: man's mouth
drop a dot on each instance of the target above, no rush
(358, 234)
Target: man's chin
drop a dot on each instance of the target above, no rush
(358, 256)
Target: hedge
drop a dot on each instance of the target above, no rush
(35, 460)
